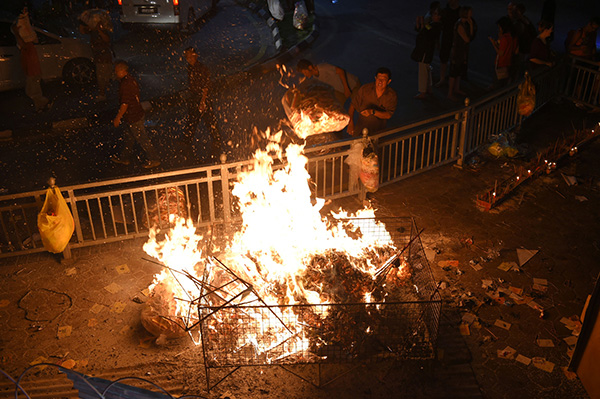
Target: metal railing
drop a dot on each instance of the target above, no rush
(583, 84)
(126, 208)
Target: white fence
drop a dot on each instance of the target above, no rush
(125, 208)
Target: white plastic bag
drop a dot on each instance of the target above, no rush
(300, 15)
(275, 9)
(25, 29)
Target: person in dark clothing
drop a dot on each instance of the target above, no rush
(131, 110)
(199, 101)
(464, 32)
(428, 29)
(449, 18)
(100, 42)
(540, 54)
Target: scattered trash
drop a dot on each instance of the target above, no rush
(118, 307)
(524, 255)
(507, 353)
(570, 180)
(113, 288)
(581, 198)
(122, 269)
(502, 324)
(506, 266)
(464, 329)
(68, 364)
(569, 374)
(96, 308)
(545, 343)
(469, 318)
(448, 263)
(486, 284)
(543, 364)
(571, 340)
(64, 331)
(523, 359)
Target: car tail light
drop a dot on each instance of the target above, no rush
(120, 6)
(176, 7)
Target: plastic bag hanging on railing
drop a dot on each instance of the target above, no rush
(369, 169)
(526, 97)
(55, 222)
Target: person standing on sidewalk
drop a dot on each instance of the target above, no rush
(26, 39)
(375, 103)
(131, 110)
(199, 101)
(428, 28)
(100, 42)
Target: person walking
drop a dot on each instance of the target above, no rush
(26, 39)
(131, 110)
(100, 42)
(375, 103)
(199, 102)
(428, 29)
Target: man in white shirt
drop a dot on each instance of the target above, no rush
(343, 83)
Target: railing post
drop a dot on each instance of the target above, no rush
(225, 189)
(462, 134)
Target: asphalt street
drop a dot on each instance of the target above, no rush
(75, 140)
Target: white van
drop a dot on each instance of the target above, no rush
(179, 14)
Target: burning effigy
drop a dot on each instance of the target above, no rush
(288, 284)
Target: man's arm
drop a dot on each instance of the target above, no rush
(342, 74)
(122, 110)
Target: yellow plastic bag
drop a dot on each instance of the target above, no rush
(55, 222)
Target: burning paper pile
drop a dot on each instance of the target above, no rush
(311, 107)
(284, 254)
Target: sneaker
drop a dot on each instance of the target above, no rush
(118, 160)
(151, 164)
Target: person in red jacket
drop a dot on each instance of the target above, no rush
(506, 47)
(131, 110)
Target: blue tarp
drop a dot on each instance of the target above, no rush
(89, 387)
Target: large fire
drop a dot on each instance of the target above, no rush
(285, 251)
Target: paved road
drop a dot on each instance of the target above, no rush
(359, 36)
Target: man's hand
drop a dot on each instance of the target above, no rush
(117, 121)
(350, 127)
(367, 112)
